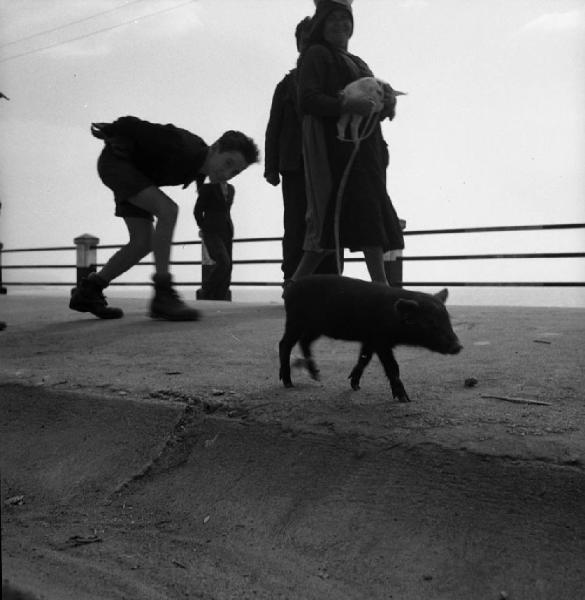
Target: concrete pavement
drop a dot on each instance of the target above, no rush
(148, 459)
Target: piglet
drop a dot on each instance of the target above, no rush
(378, 316)
(368, 88)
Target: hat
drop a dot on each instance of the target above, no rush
(346, 3)
(323, 9)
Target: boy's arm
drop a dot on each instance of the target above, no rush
(273, 129)
(231, 195)
(199, 210)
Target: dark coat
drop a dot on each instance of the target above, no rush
(212, 209)
(283, 145)
(367, 216)
(168, 155)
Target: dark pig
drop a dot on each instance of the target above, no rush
(378, 316)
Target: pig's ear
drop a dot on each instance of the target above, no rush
(407, 309)
(442, 295)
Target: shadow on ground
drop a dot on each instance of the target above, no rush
(102, 500)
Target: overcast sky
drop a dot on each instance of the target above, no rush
(492, 131)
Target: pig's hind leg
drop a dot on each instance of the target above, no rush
(305, 342)
(392, 371)
(356, 373)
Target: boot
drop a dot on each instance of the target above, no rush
(89, 297)
(167, 303)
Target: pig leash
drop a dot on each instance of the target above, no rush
(369, 126)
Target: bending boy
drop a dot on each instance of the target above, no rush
(138, 158)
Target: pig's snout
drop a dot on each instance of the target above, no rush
(448, 345)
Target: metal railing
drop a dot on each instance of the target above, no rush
(74, 268)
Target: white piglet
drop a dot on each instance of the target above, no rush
(369, 88)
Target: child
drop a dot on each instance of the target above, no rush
(283, 159)
(138, 158)
(212, 213)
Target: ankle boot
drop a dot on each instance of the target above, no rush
(167, 303)
(89, 297)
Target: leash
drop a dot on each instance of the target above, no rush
(367, 131)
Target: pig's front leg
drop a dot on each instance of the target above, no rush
(356, 373)
(284, 350)
(393, 373)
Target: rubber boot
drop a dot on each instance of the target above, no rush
(88, 296)
(167, 303)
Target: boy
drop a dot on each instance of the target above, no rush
(212, 213)
(138, 158)
(283, 160)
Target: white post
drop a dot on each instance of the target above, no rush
(86, 255)
(393, 263)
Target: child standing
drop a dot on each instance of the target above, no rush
(138, 158)
(212, 213)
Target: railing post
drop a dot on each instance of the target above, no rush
(393, 263)
(86, 255)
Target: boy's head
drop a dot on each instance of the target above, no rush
(302, 32)
(229, 155)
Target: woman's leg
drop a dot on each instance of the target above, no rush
(138, 246)
(374, 257)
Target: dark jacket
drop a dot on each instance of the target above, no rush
(212, 209)
(165, 153)
(367, 215)
(283, 146)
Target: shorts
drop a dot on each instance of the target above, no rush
(125, 180)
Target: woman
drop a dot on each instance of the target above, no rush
(368, 219)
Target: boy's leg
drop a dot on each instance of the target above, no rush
(295, 207)
(228, 241)
(166, 303)
(88, 296)
(218, 282)
(165, 210)
(309, 262)
(138, 246)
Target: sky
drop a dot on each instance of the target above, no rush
(492, 131)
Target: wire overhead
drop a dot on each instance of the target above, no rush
(65, 25)
(97, 31)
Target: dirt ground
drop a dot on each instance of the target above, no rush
(146, 460)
